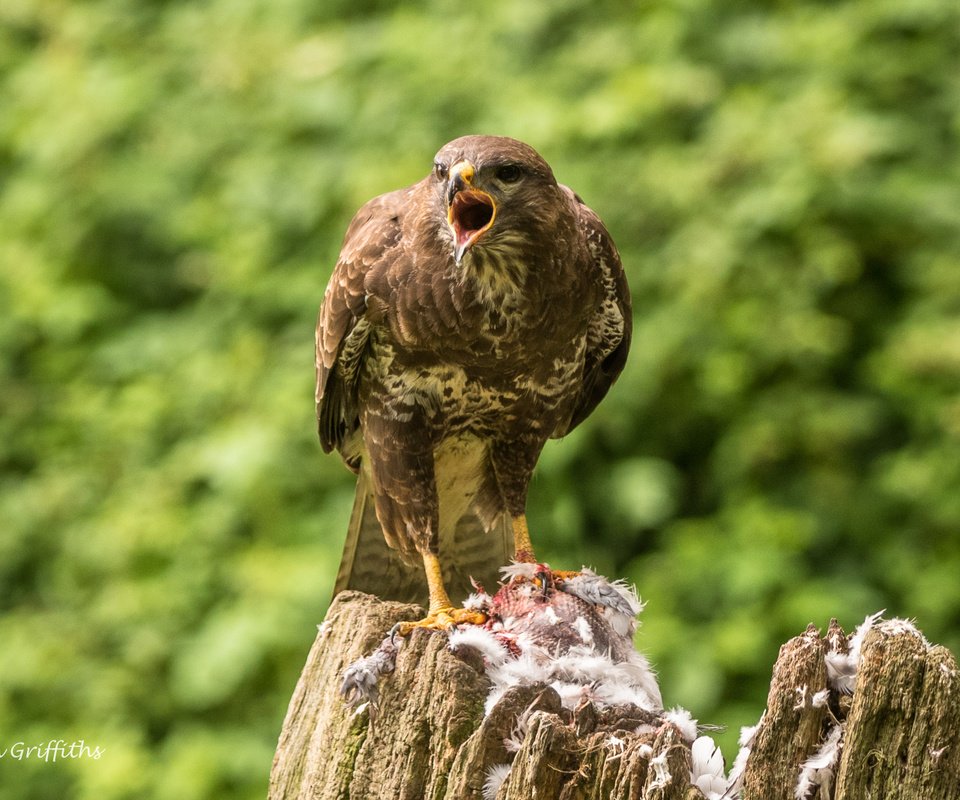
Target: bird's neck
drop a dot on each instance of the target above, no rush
(494, 277)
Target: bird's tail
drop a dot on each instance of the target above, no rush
(370, 565)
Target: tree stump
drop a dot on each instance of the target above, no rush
(873, 715)
(893, 736)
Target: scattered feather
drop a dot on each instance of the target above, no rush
(707, 768)
(748, 735)
(661, 771)
(856, 640)
(683, 721)
(644, 728)
(361, 708)
(749, 732)
(478, 601)
(842, 667)
(520, 569)
(584, 631)
(820, 699)
(572, 694)
(482, 640)
(818, 770)
(619, 694)
(841, 672)
(616, 744)
(514, 741)
(898, 626)
(496, 775)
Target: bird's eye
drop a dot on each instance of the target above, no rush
(440, 170)
(509, 173)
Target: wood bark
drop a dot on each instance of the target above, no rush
(898, 727)
(431, 738)
(903, 730)
(791, 727)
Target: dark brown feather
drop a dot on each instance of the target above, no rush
(374, 232)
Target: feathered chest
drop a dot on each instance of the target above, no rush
(470, 362)
(474, 397)
(477, 344)
(496, 312)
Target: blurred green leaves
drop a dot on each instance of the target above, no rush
(175, 180)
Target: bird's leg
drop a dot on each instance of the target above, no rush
(442, 614)
(514, 458)
(522, 546)
(540, 574)
(439, 599)
(523, 553)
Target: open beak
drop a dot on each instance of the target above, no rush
(470, 211)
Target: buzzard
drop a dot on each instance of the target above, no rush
(470, 317)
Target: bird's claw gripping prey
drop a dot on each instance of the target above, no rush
(441, 619)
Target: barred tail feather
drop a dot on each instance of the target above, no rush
(370, 565)
(478, 553)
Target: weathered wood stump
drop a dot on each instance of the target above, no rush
(873, 715)
(894, 736)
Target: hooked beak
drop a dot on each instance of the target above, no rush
(470, 211)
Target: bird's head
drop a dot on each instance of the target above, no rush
(492, 190)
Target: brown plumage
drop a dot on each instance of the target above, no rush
(470, 317)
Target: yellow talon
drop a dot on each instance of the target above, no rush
(442, 619)
(442, 615)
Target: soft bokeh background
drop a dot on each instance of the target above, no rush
(175, 177)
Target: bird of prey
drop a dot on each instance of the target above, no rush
(470, 317)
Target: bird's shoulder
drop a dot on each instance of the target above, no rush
(375, 229)
(375, 232)
(599, 252)
(610, 327)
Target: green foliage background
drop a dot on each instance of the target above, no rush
(783, 180)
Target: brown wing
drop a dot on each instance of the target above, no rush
(608, 335)
(342, 329)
